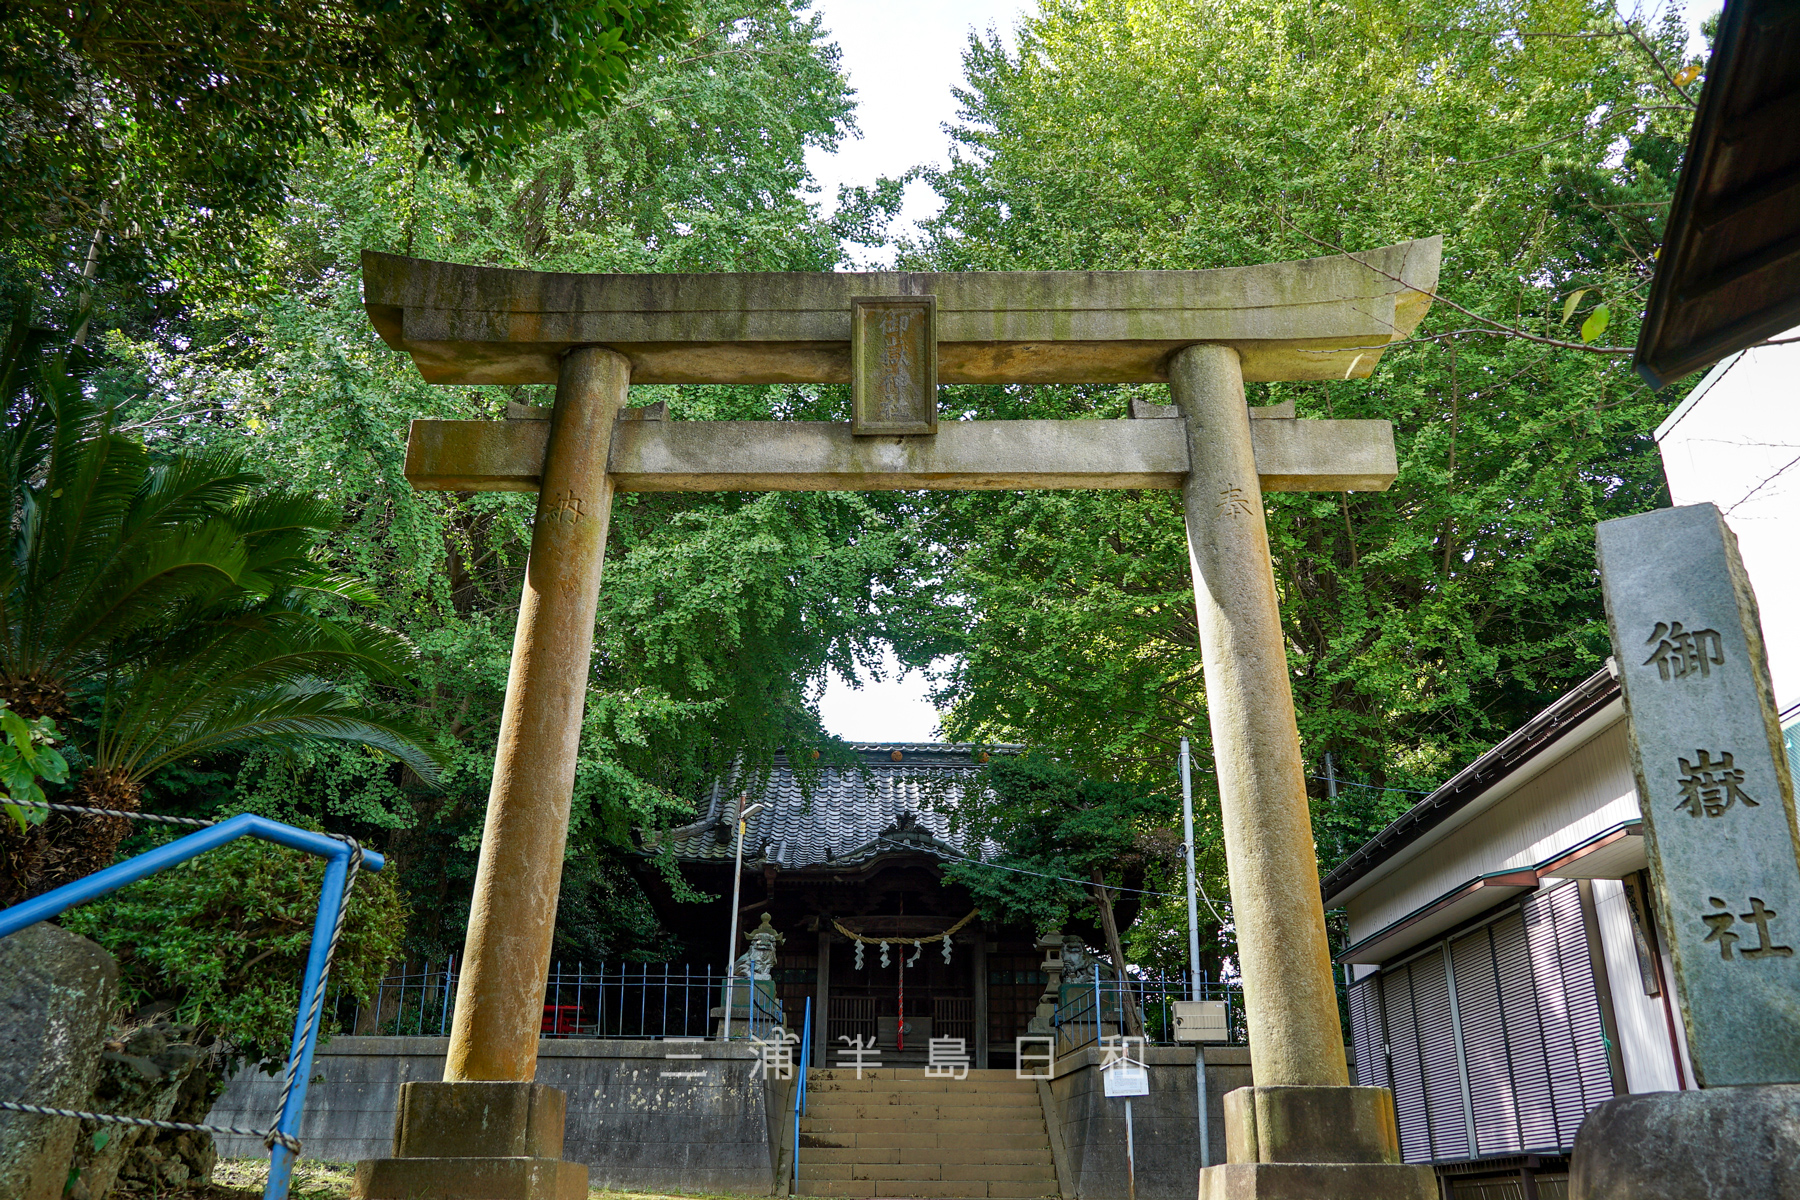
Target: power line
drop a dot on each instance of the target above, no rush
(1373, 787)
(1065, 879)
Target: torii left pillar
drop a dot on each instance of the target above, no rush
(489, 1131)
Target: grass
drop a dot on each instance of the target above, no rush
(243, 1179)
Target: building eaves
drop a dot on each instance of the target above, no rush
(1518, 748)
(1725, 276)
(891, 801)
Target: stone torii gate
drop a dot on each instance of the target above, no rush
(488, 1131)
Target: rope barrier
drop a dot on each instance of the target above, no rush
(270, 1137)
(337, 930)
(128, 814)
(273, 1136)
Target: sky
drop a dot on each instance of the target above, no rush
(1735, 443)
(903, 61)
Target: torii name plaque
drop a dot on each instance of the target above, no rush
(893, 354)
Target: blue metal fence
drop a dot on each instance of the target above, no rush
(1092, 1006)
(341, 856)
(581, 1000)
(806, 1040)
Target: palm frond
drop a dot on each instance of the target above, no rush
(67, 537)
(148, 587)
(189, 487)
(272, 512)
(333, 583)
(188, 682)
(288, 717)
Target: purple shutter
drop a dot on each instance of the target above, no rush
(1530, 1036)
(1584, 1004)
(1524, 1028)
(1491, 1097)
(1574, 1045)
(1367, 1042)
(1407, 1077)
(1437, 1056)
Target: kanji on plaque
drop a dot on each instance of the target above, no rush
(893, 364)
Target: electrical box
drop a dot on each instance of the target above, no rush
(1201, 1021)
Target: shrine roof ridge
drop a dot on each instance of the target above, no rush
(849, 817)
(1319, 318)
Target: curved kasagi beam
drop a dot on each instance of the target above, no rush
(1318, 318)
(337, 854)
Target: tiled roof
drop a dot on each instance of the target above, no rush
(884, 804)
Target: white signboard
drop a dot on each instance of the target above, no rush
(1125, 1079)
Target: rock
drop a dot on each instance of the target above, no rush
(159, 1073)
(1729, 1143)
(57, 994)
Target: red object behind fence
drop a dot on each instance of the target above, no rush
(560, 1020)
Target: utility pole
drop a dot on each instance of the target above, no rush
(1187, 833)
(737, 886)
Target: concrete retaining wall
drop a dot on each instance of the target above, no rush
(634, 1127)
(1165, 1124)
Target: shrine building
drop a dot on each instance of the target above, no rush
(861, 855)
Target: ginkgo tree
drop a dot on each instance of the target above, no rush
(1541, 138)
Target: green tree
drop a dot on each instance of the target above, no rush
(1541, 139)
(154, 133)
(720, 615)
(1055, 826)
(166, 608)
(224, 940)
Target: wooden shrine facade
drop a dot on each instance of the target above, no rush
(864, 852)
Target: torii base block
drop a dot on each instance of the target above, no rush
(1314, 1143)
(475, 1141)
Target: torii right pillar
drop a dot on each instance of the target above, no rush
(1302, 1132)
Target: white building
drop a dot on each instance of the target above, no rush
(1509, 972)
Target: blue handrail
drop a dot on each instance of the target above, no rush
(800, 1091)
(337, 854)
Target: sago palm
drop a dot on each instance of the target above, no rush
(169, 607)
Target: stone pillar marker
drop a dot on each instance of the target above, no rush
(1724, 849)
(1302, 1130)
(488, 1130)
(1725, 869)
(1713, 780)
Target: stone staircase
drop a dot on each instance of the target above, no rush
(895, 1132)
